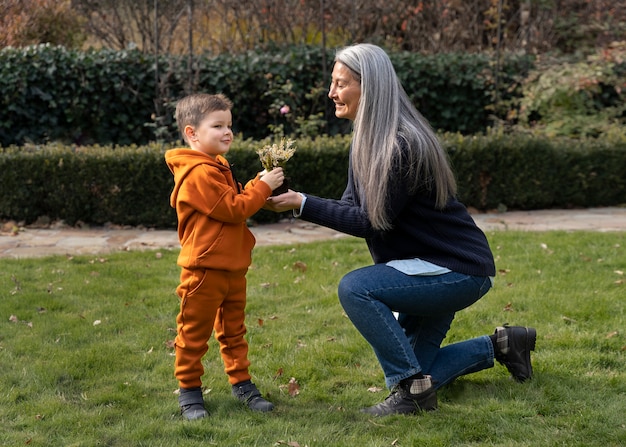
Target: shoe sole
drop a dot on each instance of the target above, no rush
(531, 341)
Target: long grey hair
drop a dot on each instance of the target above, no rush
(385, 121)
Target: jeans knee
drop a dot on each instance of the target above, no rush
(349, 289)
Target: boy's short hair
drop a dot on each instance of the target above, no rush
(191, 109)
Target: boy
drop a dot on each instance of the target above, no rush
(216, 247)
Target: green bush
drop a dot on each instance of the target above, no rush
(582, 98)
(95, 185)
(131, 185)
(522, 171)
(50, 94)
(53, 94)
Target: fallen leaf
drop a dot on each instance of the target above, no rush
(618, 272)
(294, 388)
(612, 334)
(374, 389)
(290, 443)
(260, 320)
(97, 322)
(503, 272)
(299, 265)
(13, 319)
(278, 374)
(171, 344)
(508, 307)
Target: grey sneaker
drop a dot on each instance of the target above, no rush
(192, 404)
(407, 398)
(248, 393)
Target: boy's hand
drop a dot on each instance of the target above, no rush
(274, 178)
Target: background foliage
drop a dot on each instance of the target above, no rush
(102, 96)
(131, 185)
(216, 26)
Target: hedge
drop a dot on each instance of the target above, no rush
(131, 185)
(50, 93)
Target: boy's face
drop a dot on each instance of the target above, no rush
(214, 135)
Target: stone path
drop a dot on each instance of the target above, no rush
(63, 240)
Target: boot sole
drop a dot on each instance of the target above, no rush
(531, 341)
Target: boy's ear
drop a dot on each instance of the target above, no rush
(189, 132)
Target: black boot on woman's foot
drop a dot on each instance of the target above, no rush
(512, 349)
(410, 396)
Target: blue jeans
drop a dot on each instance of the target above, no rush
(426, 305)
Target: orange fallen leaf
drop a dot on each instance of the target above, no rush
(260, 320)
(294, 388)
(299, 265)
(508, 307)
(278, 374)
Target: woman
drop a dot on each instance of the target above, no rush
(430, 258)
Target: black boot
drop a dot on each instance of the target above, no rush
(512, 349)
(191, 403)
(248, 393)
(410, 396)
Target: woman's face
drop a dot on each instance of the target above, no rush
(345, 91)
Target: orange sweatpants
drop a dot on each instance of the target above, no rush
(211, 299)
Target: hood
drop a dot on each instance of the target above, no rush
(182, 161)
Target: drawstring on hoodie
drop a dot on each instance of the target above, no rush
(235, 178)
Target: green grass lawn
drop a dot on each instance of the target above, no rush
(86, 357)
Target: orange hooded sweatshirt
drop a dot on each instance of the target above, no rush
(211, 213)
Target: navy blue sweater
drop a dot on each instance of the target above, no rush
(447, 237)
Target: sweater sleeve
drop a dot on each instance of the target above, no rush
(345, 215)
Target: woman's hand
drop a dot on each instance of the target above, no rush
(290, 200)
